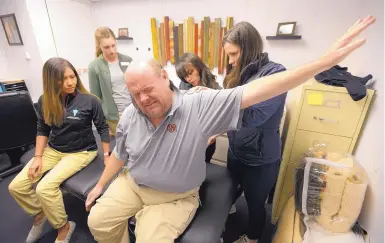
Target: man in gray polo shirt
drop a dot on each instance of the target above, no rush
(162, 139)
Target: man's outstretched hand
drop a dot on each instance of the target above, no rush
(346, 44)
(196, 89)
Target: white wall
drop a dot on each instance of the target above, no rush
(370, 148)
(17, 66)
(4, 68)
(73, 29)
(42, 29)
(319, 23)
(39, 42)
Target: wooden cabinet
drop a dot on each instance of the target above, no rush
(323, 114)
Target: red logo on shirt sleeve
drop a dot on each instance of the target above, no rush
(171, 127)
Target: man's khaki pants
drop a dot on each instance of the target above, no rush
(48, 197)
(160, 217)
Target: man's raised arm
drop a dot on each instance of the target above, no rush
(268, 87)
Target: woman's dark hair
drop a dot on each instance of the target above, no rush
(207, 78)
(250, 42)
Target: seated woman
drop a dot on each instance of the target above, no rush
(193, 72)
(65, 113)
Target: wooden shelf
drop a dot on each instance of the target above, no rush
(124, 38)
(284, 37)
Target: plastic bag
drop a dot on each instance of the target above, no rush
(317, 234)
(330, 187)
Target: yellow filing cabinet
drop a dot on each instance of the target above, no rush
(323, 114)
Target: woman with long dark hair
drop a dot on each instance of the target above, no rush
(254, 153)
(66, 112)
(192, 72)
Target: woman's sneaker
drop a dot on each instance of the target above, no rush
(35, 232)
(242, 239)
(69, 234)
(233, 209)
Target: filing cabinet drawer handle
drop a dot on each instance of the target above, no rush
(325, 120)
(332, 103)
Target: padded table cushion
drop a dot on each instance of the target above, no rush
(216, 194)
(27, 156)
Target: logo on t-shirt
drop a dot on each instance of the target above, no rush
(75, 114)
(75, 111)
(171, 127)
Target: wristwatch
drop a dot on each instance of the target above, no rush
(107, 153)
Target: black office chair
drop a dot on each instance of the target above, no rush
(18, 123)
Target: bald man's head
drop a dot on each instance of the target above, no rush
(148, 65)
(148, 84)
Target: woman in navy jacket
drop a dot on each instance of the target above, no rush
(254, 153)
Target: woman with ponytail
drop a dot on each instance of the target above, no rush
(106, 77)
